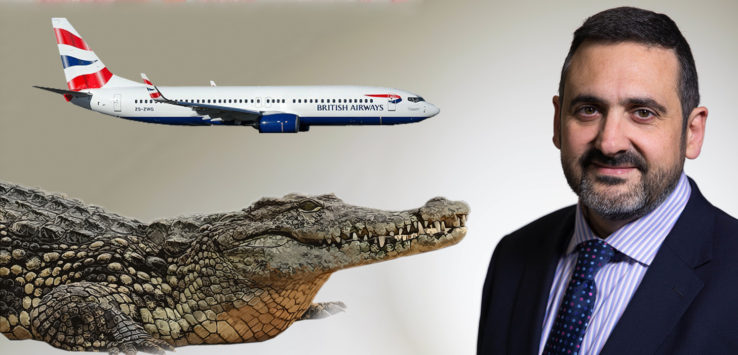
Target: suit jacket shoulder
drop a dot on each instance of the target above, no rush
(518, 281)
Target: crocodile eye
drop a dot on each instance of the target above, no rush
(309, 206)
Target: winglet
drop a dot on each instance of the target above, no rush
(154, 92)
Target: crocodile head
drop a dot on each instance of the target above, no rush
(304, 237)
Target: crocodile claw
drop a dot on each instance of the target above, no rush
(151, 346)
(324, 309)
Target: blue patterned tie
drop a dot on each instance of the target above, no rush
(576, 309)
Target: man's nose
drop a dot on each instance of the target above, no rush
(612, 137)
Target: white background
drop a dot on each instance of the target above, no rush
(490, 66)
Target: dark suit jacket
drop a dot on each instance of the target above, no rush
(687, 302)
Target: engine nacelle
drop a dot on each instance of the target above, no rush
(279, 123)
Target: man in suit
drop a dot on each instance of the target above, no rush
(643, 264)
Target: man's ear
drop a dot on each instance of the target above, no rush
(695, 134)
(557, 122)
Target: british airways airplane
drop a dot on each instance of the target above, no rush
(270, 109)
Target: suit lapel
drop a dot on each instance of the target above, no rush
(535, 284)
(670, 284)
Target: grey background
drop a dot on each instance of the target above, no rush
(491, 67)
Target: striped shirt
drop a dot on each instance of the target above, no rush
(636, 245)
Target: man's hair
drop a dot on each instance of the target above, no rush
(629, 24)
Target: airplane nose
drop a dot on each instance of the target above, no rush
(432, 110)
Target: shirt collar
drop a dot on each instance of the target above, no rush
(640, 239)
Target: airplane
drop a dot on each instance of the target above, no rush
(269, 109)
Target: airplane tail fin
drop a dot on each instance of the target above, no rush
(82, 68)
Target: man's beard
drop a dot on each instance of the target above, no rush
(653, 188)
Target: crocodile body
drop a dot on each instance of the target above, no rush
(81, 278)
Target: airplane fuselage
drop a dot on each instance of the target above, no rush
(314, 105)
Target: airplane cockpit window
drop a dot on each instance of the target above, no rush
(415, 99)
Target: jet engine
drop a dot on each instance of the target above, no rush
(279, 123)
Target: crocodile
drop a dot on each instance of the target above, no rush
(83, 279)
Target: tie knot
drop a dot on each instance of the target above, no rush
(593, 255)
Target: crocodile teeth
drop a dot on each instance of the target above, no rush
(330, 241)
(407, 228)
(354, 236)
(457, 223)
(425, 224)
(392, 234)
(463, 219)
(381, 241)
(443, 226)
(420, 229)
(437, 225)
(365, 238)
(338, 239)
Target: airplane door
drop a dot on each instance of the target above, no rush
(391, 105)
(116, 102)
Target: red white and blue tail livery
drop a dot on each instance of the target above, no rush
(269, 109)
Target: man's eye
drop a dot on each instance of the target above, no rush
(644, 114)
(587, 111)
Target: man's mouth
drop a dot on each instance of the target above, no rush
(615, 170)
(618, 166)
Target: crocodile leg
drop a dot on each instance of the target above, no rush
(322, 310)
(86, 316)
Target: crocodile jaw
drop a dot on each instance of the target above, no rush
(274, 257)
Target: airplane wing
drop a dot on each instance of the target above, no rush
(247, 117)
(225, 113)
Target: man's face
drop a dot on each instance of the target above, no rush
(619, 128)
